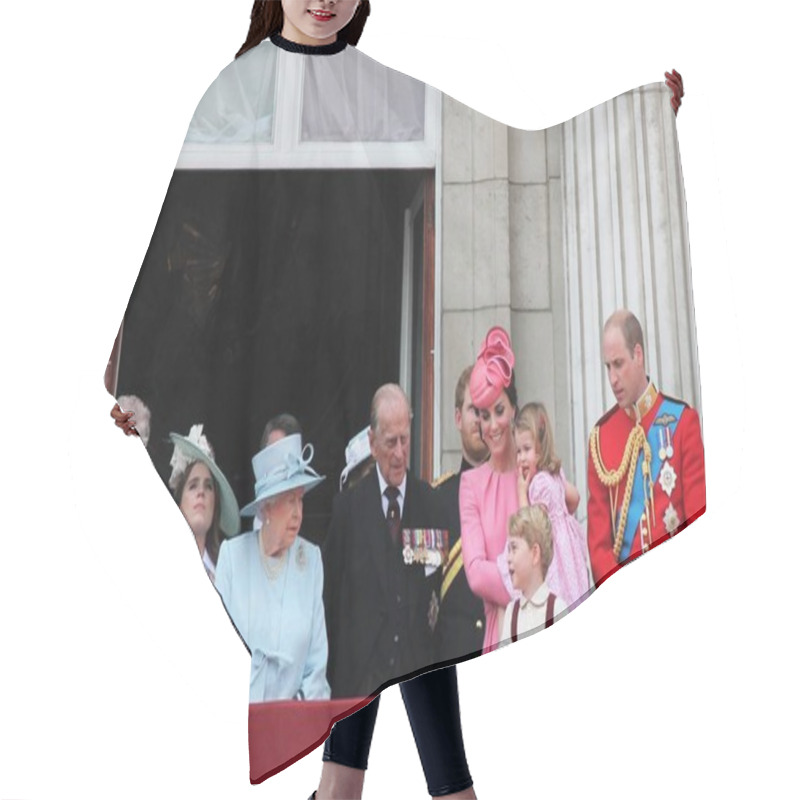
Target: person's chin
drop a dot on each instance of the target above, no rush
(496, 446)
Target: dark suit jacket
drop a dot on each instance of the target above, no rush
(359, 593)
(460, 627)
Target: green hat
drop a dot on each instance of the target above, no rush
(195, 447)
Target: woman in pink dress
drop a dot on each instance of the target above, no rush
(488, 494)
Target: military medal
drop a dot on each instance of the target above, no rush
(667, 479)
(418, 556)
(670, 451)
(426, 546)
(671, 520)
(408, 553)
(662, 451)
(432, 554)
(645, 534)
(439, 547)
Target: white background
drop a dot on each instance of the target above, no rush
(119, 674)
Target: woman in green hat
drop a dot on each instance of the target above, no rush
(203, 495)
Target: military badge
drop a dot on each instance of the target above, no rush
(671, 520)
(667, 479)
(665, 449)
(433, 610)
(664, 419)
(645, 533)
(408, 551)
(425, 546)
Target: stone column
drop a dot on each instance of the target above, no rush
(625, 245)
(476, 290)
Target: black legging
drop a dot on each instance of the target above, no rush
(432, 707)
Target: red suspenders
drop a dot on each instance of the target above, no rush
(551, 605)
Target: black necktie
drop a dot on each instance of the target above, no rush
(393, 513)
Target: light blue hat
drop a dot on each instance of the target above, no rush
(280, 467)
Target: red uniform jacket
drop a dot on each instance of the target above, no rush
(675, 510)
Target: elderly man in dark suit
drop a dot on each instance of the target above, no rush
(377, 605)
(380, 606)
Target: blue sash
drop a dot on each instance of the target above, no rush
(670, 411)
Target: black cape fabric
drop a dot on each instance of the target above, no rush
(333, 226)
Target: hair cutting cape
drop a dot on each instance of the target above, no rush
(332, 226)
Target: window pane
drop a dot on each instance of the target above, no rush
(356, 99)
(240, 105)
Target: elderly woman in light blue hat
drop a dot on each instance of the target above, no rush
(270, 580)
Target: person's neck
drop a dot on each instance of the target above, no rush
(200, 540)
(472, 460)
(270, 543)
(534, 585)
(503, 462)
(293, 34)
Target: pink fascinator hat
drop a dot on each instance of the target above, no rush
(493, 369)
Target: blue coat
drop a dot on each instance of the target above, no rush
(280, 619)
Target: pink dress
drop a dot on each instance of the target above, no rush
(487, 499)
(568, 576)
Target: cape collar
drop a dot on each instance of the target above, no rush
(309, 49)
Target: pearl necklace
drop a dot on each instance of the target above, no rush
(273, 566)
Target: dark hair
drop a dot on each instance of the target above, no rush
(214, 535)
(266, 18)
(511, 390)
(461, 386)
(282, 422)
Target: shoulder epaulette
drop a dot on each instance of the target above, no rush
(607, 416)
(442, 478)
(675, 400)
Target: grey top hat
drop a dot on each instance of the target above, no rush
(280, 467)
(195, 447)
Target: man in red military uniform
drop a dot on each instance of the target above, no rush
(646, 464)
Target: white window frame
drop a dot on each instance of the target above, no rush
(288, 151)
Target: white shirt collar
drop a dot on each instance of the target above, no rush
(539, 596)
(383, 484)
